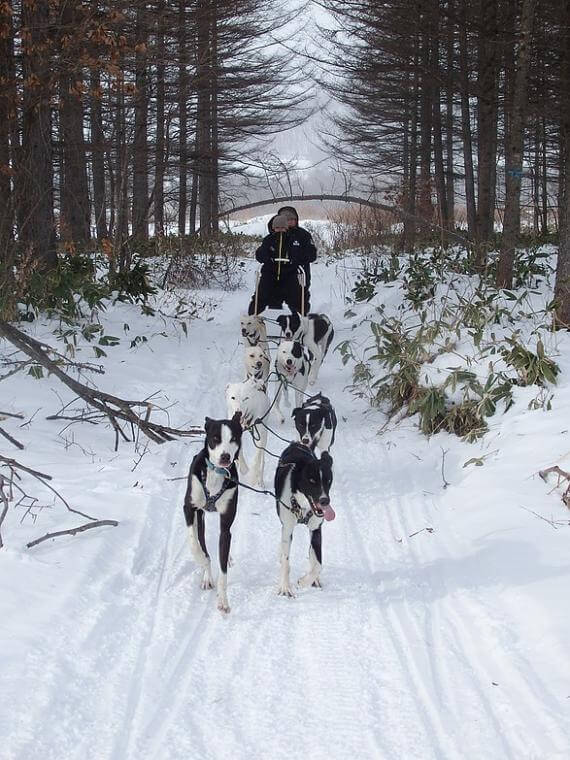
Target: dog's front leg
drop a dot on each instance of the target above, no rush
(288, 522)
(276, 403)
(315, 561)
(259, 460)
(315, 364)
(224, 553)
(242, 464)
(199, 550)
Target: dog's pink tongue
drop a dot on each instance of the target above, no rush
(328, 513)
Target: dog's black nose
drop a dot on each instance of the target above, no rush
(224, 459)
(259, 364)
(324, 501)
(306, 440)
(289, 361)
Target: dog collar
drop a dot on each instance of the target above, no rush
(218, 470)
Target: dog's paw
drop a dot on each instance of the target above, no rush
(313, 381)
(286, 591)
(207, 583)
(223, 606)
(309, 580)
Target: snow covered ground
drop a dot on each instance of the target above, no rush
(258, 226)
(442, 630)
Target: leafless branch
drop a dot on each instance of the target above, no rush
(11, 439)
(114, 408)
(72, 531)
(562, 475)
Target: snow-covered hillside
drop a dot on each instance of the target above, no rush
(442, 629)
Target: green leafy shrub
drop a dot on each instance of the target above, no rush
(531, 368)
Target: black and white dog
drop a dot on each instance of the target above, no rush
(212, 487)
(315, 421)
(292, 365)
(253, 329)
(302, 485)
(315, 331)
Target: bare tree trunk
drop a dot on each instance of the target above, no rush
(425, 126)
(122, 183)
(515, 147)
(194, 194)
(449, 118)
(203, 119)
(544, 180)
(562, 285)
(35, 175)
(8, 107)
(214, 163)
(140, 143)
(159, 159)
(536, 181)
(98, 155)
(466, 136)
(75, 223)
(410, 182)
(182, 118)
(486, 128)
(439, 170)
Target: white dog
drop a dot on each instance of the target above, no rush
(250, 398)
(253, 329)
(256, 362)
(292, 364)
(315, 331)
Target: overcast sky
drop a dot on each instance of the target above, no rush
(302, 145)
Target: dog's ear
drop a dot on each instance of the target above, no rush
(207, 422)
(281, 321)
(237, 418)
(295, 410)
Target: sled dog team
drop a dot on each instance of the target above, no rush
(302, 480)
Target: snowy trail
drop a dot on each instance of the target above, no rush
(396, 657)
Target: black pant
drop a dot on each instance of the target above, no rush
(272, 293)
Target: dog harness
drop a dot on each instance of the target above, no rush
(211, 500)
(298, 512)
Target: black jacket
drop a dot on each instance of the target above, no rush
(295, 245)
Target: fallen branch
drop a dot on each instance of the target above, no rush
(445, 482)
(11, 439)
(4, 498)
(428, 530)
(72, 531)
(343, 199)
(114, 408)
(562, 475)
(553, 523)
(14, 466)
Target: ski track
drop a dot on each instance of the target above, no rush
(164, 675)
